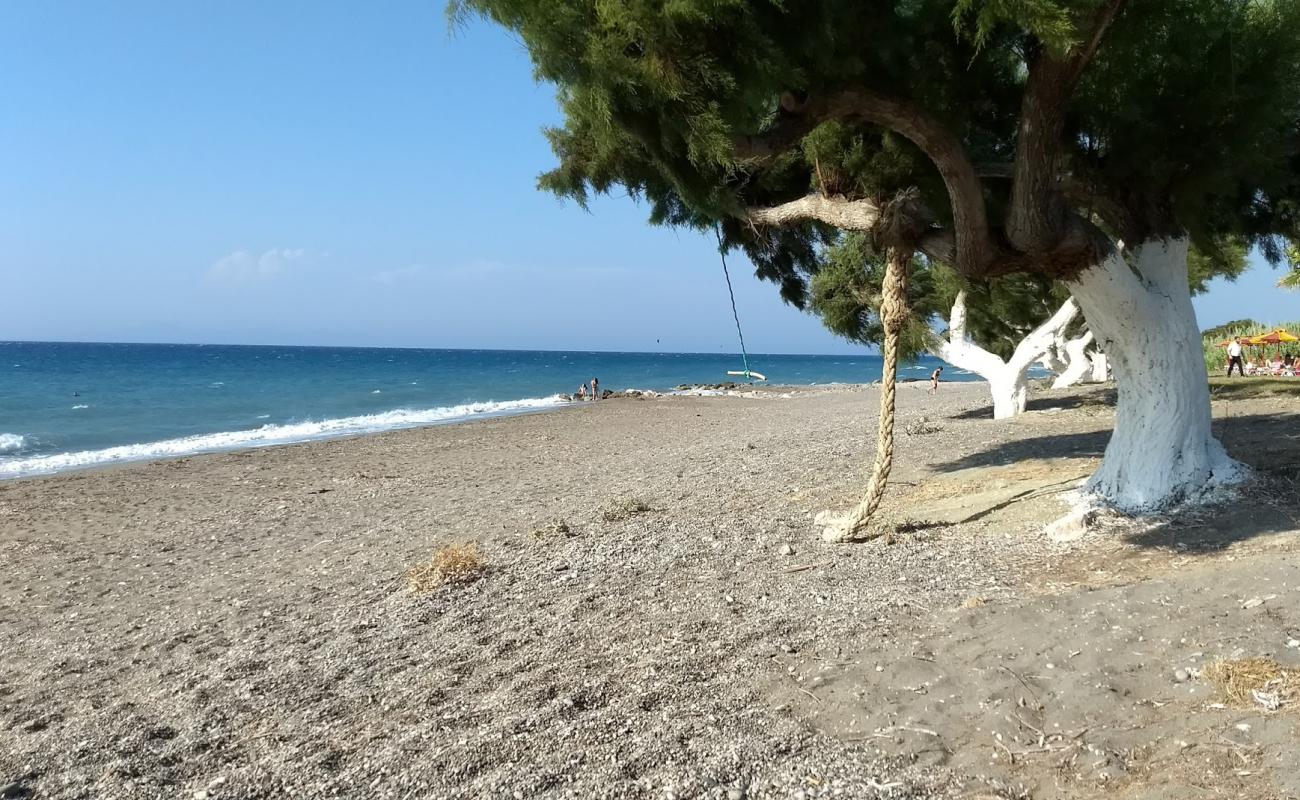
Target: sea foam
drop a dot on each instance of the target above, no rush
(261, 437)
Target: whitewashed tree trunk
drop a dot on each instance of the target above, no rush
(1076, 362)
(1162, 451)
(1100, 366)
(1008, 380)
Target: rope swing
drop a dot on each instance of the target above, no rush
(893, 315)
(744, 357)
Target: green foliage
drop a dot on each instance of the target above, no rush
(1291, 280)
(1050, 22)
(1191, 115)
(1187, 120)
(1224, 259)
(846, 294)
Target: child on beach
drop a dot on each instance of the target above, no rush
(934, 381)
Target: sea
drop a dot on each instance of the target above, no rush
(66, 405)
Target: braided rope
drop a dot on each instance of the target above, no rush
(893, 315)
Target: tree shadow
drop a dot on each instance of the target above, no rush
(1254, 513)
(1043, 400)
(1268, 443)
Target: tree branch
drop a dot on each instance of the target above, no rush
(1039, 220)
(851, 215)
(972, 248)
(838, 212)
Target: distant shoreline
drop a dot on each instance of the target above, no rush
(268, 437)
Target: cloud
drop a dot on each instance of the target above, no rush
(242, 266)
(389, 277)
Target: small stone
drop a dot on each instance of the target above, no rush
(1071, 527)
(201, 794)
(1253, 602)
(1181, 675)
(1293, 642)
(787, 550)
(12, 790)
(735, 794)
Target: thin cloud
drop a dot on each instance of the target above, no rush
(389, 277)
(242, 266)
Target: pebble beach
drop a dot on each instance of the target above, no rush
(651, 612)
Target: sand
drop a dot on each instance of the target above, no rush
(657, 616)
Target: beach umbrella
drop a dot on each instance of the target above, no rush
(1274, 337)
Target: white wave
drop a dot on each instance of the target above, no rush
(262, 437)
(80, 406)
(377, 391)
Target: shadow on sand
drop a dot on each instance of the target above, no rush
(1270, 503)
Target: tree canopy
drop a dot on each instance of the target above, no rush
(995, 137)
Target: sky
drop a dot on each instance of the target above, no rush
(324, 173)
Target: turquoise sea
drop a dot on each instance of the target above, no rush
(70, 405)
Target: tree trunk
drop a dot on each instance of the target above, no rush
(1008, 380)
(1162, 451)
(1076, 362)
(1100, 366)
(1010, 389)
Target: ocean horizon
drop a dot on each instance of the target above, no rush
(73, 405)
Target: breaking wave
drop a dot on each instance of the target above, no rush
(261, 437)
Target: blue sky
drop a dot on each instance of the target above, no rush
(320, 173)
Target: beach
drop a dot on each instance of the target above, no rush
(657, 615)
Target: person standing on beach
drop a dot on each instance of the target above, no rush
(1234, 358)
(934, 380)
(595, 389)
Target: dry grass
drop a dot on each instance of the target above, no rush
(453, 564)
(623, 509)
(557, 527)
(1240, 679)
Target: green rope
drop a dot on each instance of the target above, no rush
(722, 251)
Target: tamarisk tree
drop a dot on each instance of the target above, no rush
(997, 138)
(995, 329)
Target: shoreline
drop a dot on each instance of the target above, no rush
(250, 438)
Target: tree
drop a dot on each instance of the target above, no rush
(1085, 141)
(996, 329)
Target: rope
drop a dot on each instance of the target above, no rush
(893, 315)
(722, 251)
